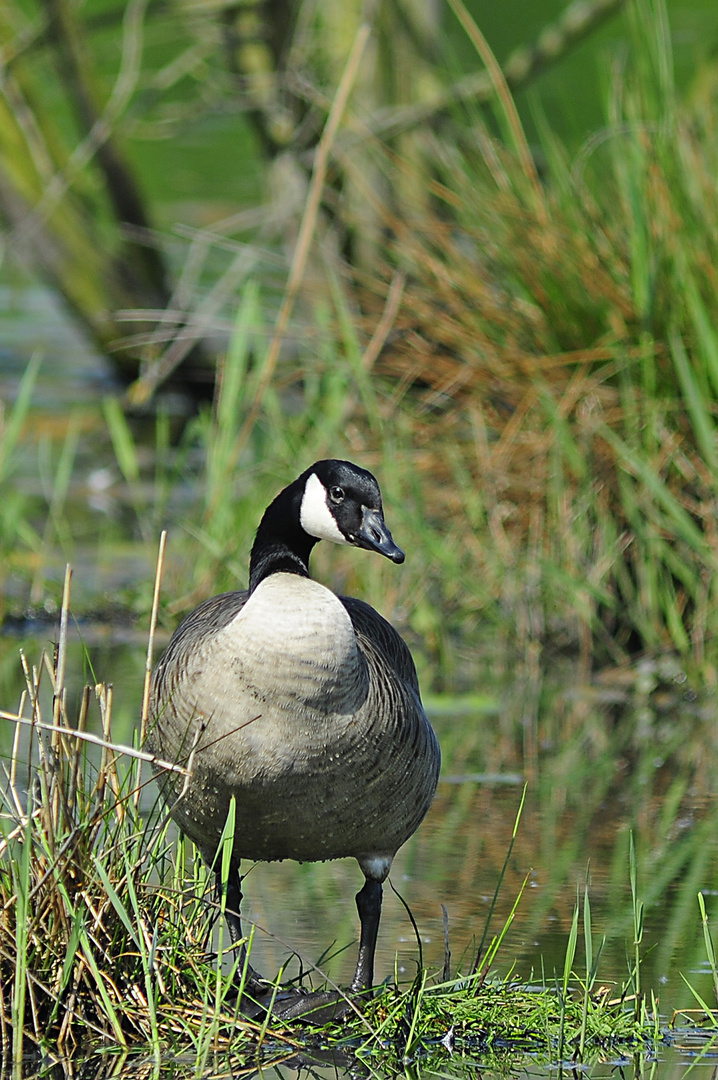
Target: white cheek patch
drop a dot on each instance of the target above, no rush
(315, 517)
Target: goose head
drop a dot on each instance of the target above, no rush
(332, 500)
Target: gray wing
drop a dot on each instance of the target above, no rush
(204, 622)
(378, 637)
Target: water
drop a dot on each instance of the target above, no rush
(571, 832)
(33, 320)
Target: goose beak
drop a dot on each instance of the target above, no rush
(374, 536)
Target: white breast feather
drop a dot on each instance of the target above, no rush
(293, 639)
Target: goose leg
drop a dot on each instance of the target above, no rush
(286, 1004)
(233, 902)
(369, 908)
(253, 981)
(320, 1006)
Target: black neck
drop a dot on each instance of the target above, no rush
(281, 544)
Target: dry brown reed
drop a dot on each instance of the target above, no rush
(555, 366)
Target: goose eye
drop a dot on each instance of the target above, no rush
(336, 494)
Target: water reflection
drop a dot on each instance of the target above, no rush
(639, 756)
(281, 1063)
(587, 794)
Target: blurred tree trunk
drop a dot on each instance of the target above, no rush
(74, 209)
(71, 205)
(141, 262)
(288, 55)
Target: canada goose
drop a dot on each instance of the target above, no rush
(301, 704)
